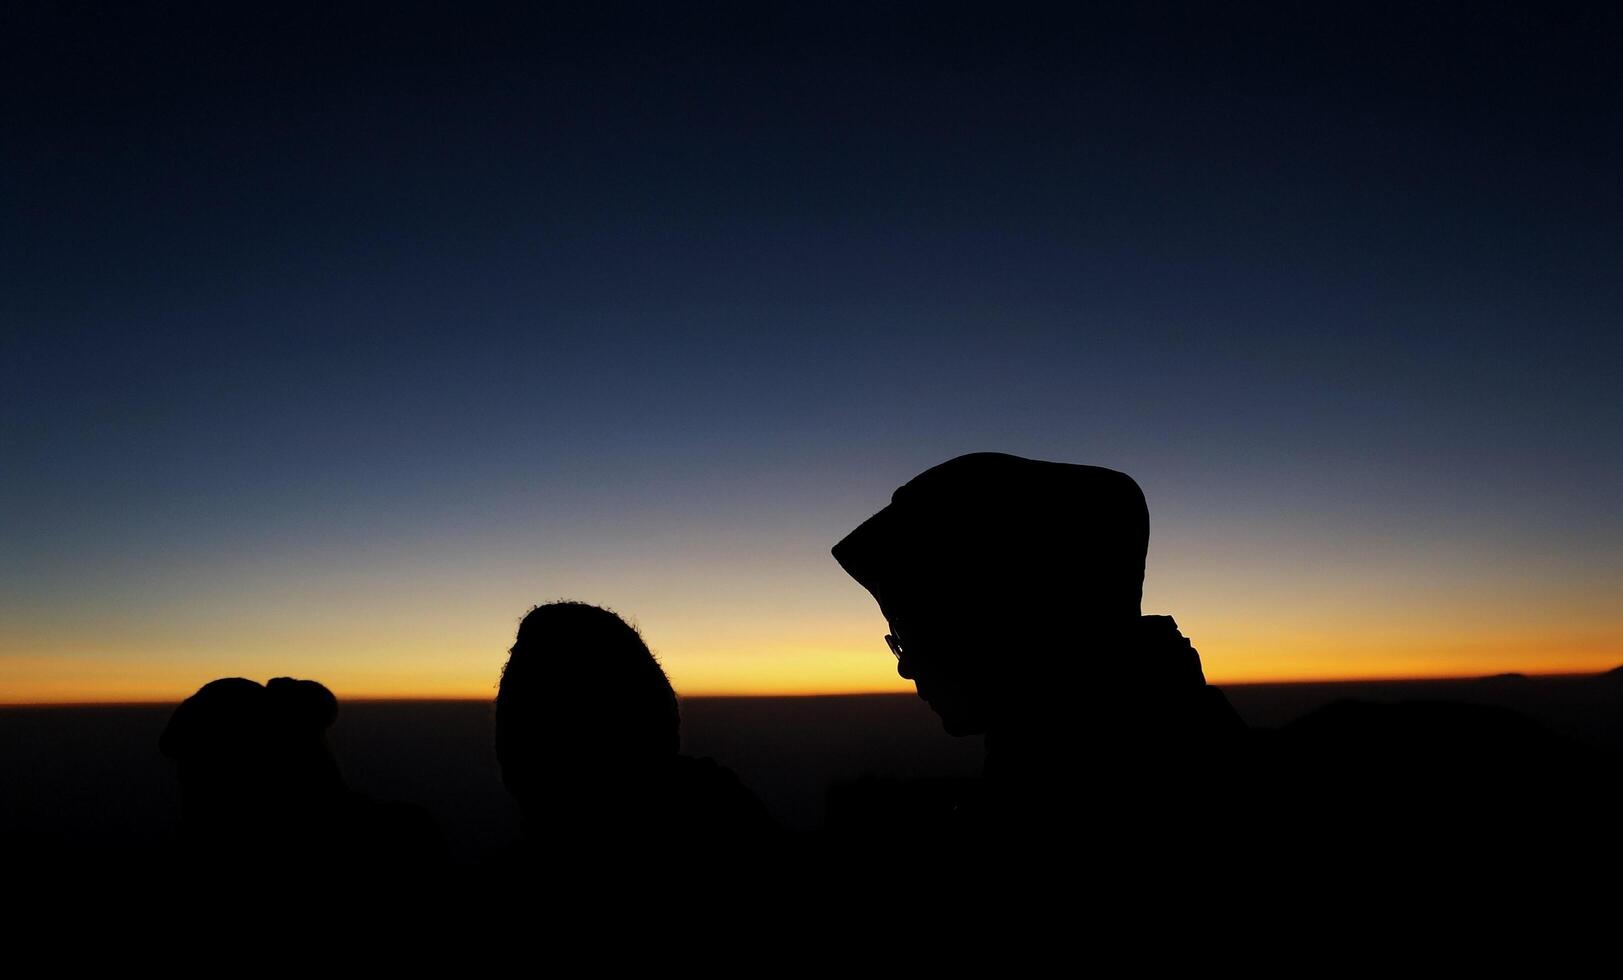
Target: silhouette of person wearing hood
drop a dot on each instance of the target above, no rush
(1012, 588)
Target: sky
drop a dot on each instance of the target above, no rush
(332, 342)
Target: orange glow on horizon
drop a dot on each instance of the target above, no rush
(164, 688)
(776, 634)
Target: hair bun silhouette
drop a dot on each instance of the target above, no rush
(255, 769)
(229, 710)
(302, 705)
(234, 715)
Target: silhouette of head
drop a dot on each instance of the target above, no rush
(248, 753)
(994, 570)
(583, 706)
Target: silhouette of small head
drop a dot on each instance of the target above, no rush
(582, 702)
(991, 567)
(243, 749)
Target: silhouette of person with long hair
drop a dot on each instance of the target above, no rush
(1012, 588)
(588, 740)
(257, 777)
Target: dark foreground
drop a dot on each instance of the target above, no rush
(91, 778)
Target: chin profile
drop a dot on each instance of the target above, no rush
(960, 723)
(960, 713)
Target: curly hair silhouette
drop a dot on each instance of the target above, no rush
(588, 738)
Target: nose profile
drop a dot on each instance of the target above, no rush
(901, 669)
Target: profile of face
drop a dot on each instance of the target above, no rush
(947, 666)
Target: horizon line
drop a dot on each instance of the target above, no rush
(719, 695)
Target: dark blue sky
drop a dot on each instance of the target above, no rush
(391, 284)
